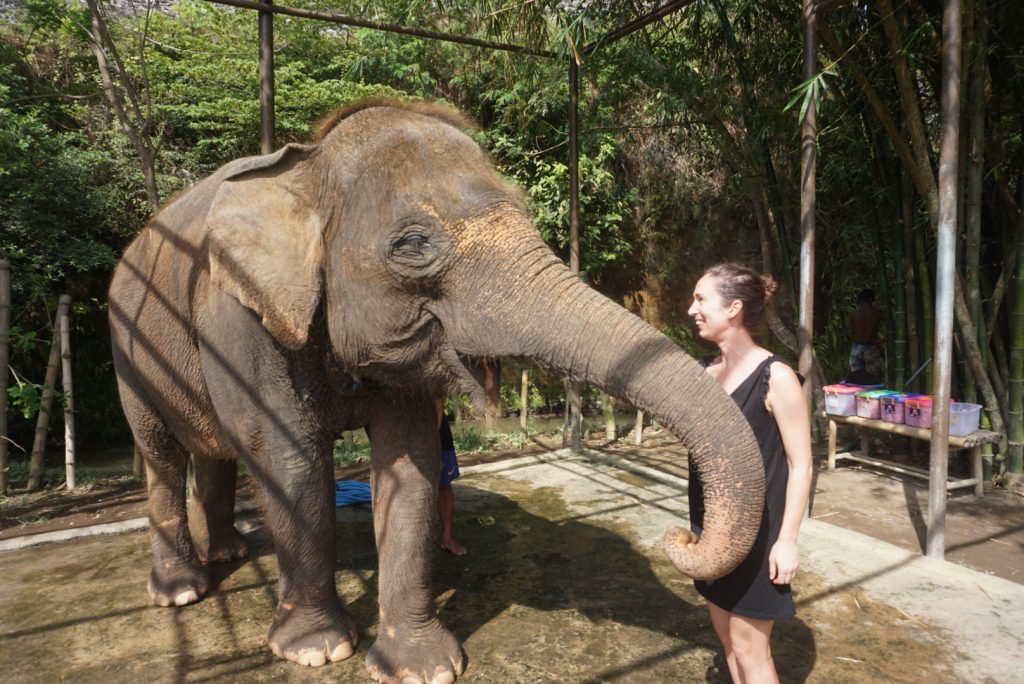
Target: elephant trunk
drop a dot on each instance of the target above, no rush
(532, 306)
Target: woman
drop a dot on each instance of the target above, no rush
(728, 303)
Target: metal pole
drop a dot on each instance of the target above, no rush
(945, 276)
(574, 227)
(266, 79)
(808, 199)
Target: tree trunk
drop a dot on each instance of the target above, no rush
(136, 126)
(974, 175)
(5, 346)
(926, 301)
(1015, 428)
(35, 469)
(899, 313)
(912, 117)
(910, 280)
(608, 408)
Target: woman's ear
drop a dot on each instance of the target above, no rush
(266, 241)
(734, 309)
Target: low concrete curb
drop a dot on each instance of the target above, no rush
(138, 524)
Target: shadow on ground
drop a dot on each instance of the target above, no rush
(550, 592)
(540, 597)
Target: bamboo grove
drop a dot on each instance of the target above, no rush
(689, 153)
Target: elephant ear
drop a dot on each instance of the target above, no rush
(266, 241)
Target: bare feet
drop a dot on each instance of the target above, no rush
(453, 547)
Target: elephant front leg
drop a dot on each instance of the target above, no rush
(412, 645)
(310, 627)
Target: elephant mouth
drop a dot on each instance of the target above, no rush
(463, 373)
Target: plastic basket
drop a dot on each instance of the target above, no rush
(841, 400)
(869, 404)
(964, 418)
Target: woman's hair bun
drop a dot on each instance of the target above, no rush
(771, 285)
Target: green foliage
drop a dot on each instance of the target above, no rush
(511, 398)
(351, 450)
(470, 440)
(687, 140)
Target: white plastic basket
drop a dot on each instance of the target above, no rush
(964, 418)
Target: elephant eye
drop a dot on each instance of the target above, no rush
(411, 245)
(416, 249)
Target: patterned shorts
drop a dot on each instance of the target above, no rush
(449, 467)
(867, 358)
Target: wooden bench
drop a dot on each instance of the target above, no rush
(973, 441)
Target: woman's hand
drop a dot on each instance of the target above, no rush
(783, 562)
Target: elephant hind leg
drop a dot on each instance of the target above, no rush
(211, 510)
(178, 577)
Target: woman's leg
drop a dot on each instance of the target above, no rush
(747, 644)
(720, 621)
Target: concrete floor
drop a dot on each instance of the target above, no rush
(564, 582)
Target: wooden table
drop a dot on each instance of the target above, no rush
(973, 441)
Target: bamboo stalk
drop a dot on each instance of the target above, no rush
(5, 328)
(1015, 425)
(69, 404)
(35, 469)
(608, 407)
(524, 396)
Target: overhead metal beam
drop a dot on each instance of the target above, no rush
(335, 18)
(636, 25)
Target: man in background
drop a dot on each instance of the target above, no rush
(866, 347)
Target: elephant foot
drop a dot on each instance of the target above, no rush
(177, 583)
(223, 546)
(429, 655)
(312, 636)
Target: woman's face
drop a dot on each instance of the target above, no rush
(709, 311)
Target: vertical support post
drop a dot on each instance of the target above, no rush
(35, 468)
(945, 276)
(69, 403)
(266, 20)
(574, 226)
(524, 396)
(5, 345)
(638, 431)
(831, 444)
(138, 463)
(808, 201)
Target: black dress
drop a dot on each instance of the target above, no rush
(747, 591)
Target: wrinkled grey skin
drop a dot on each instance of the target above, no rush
(349, 284)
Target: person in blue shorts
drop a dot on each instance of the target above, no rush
(445, 495)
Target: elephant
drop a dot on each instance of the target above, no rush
(350, 283)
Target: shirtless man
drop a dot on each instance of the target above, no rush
(865, 350)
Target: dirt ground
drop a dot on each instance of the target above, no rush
(985, 534)
(564, 582)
